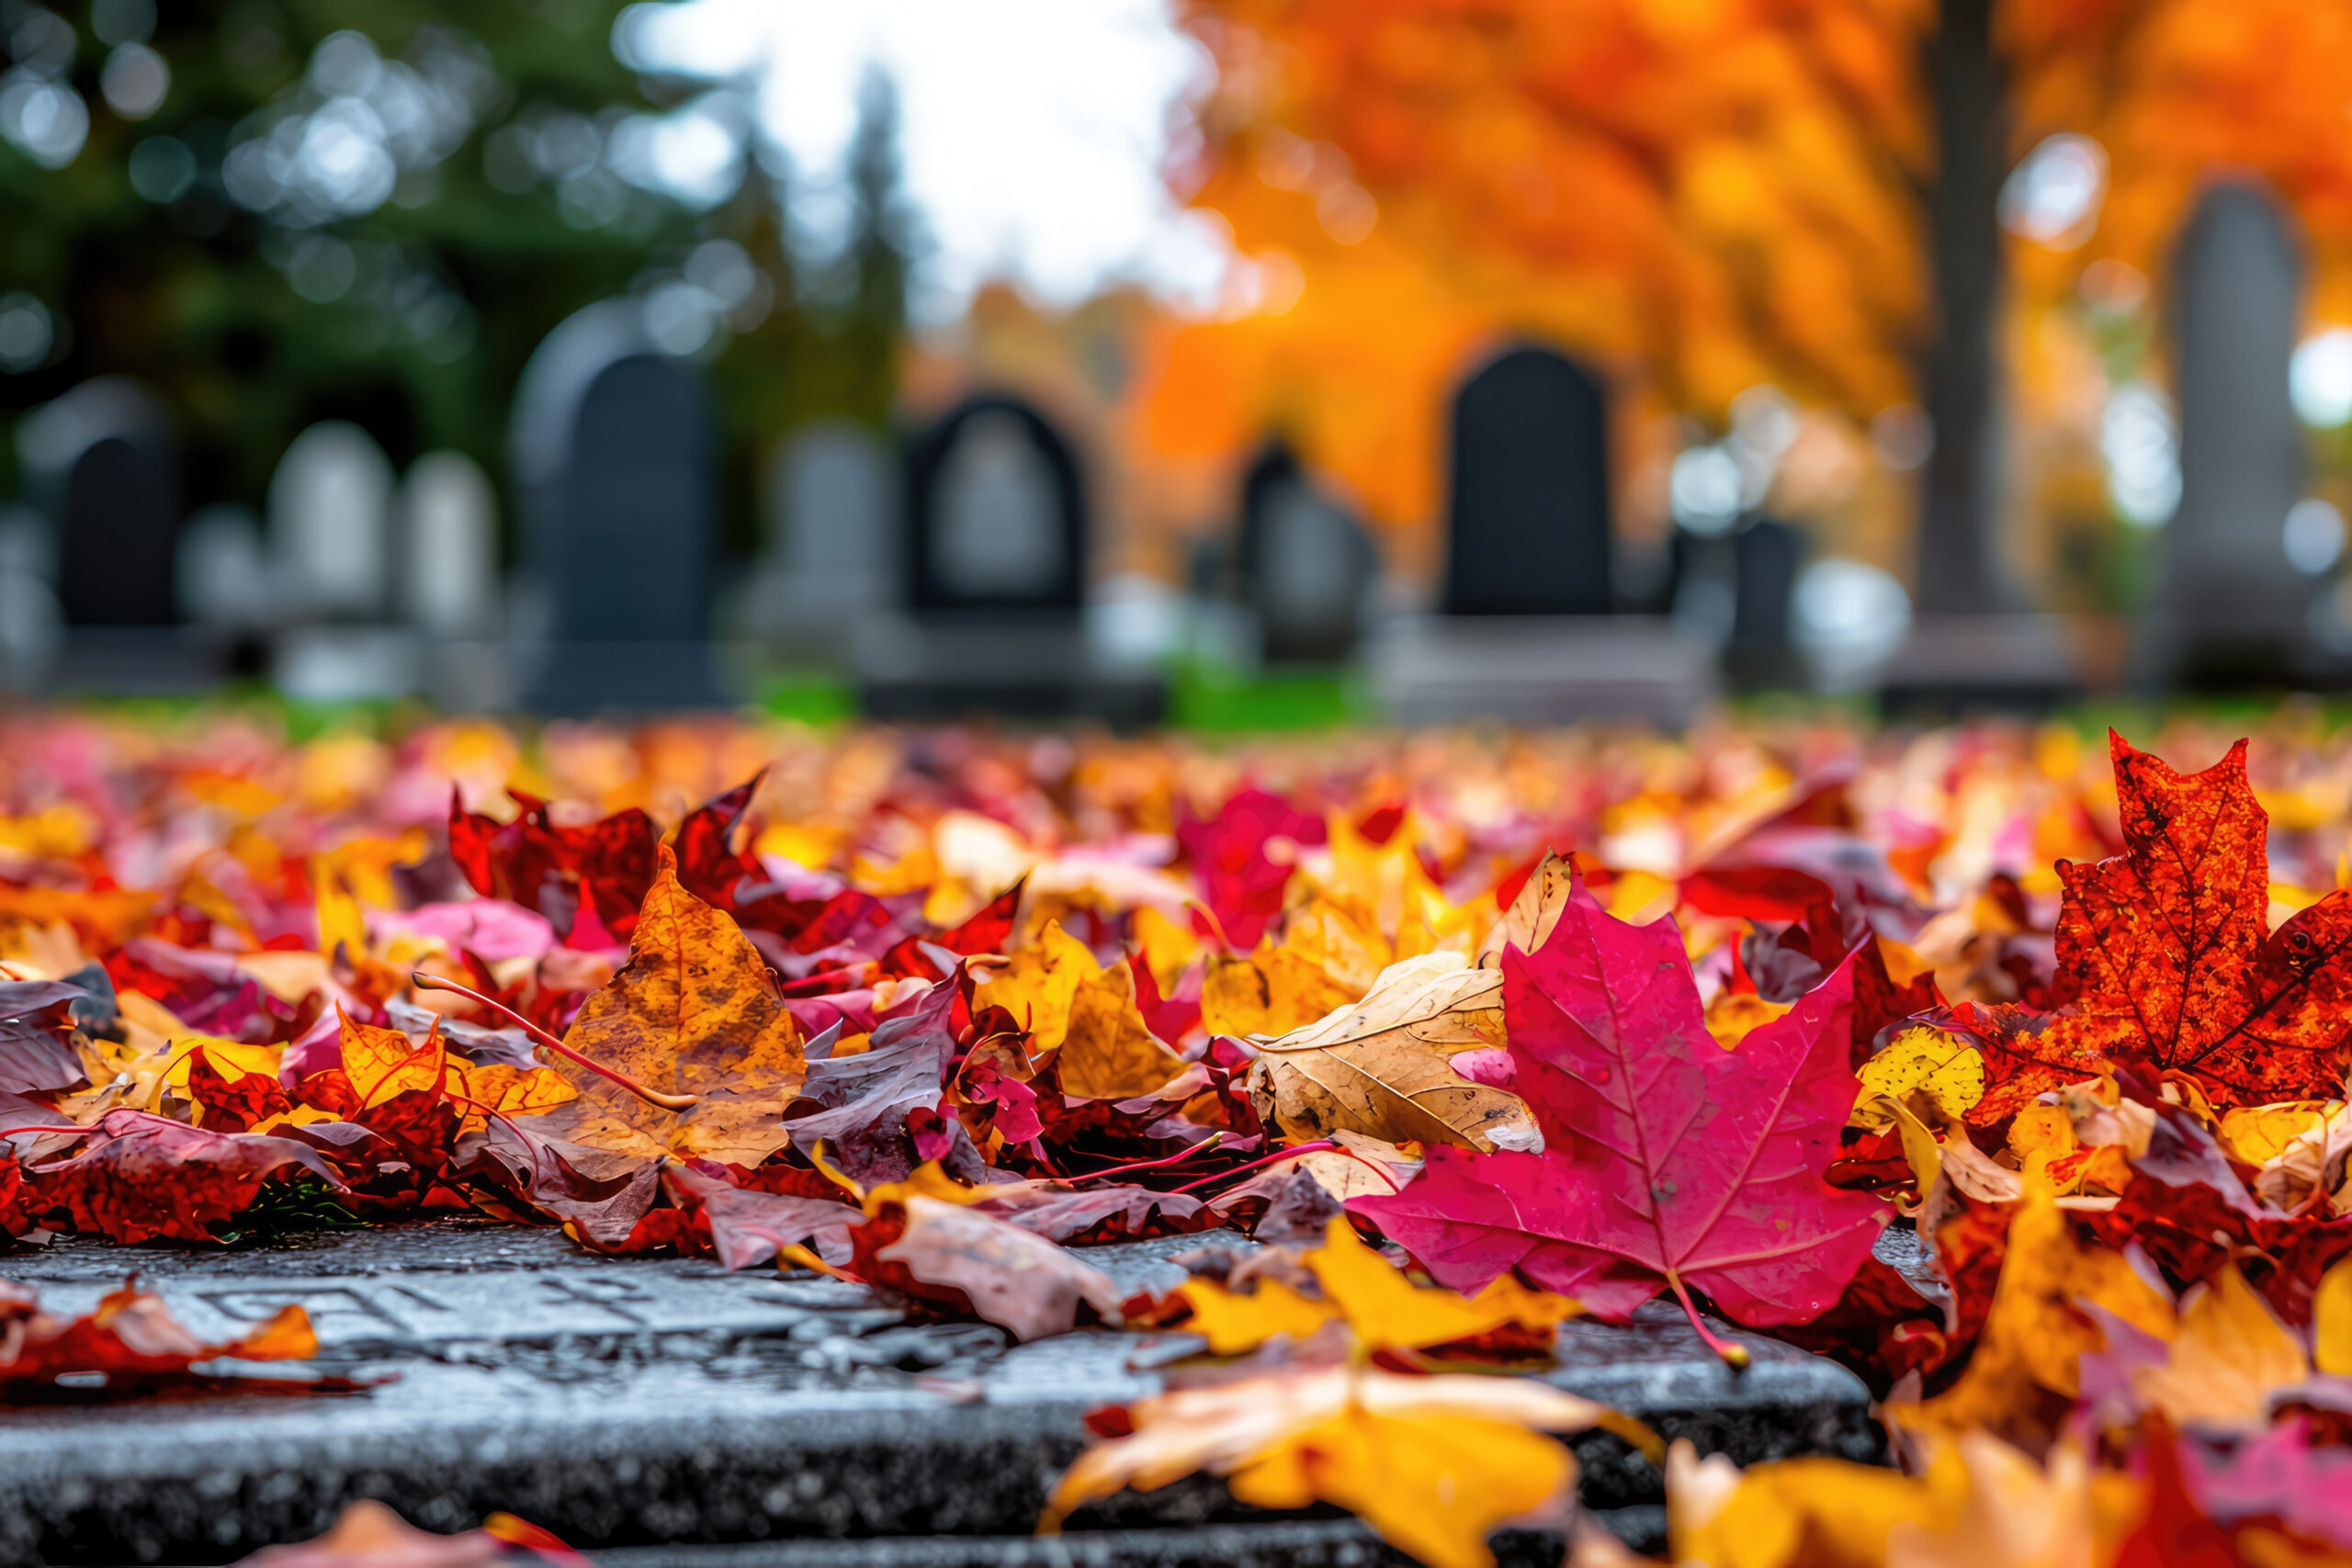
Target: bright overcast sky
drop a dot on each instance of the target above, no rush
(1034, 131)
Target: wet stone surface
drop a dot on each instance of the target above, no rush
(663, 1405)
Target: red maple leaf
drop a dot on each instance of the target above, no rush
(1670, 1162)
(2169, 944)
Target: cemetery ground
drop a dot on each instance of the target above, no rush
(723, 1142)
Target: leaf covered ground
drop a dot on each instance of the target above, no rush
(1473, 1033)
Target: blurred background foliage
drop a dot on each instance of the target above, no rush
(445, 193)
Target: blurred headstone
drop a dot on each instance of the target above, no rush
(999, 513)
(832, 495)
(1765, 557)
(993, 582)
(1528, 527)
(100, 464)
(448, 579)
(448, 546)
(1307, 567)
(223, 579)
(330, 523)
(330, 511)
(1526, 633)
(2233, 609)
(100, 461)
(222, 571)
(614, 451)
(30, 622)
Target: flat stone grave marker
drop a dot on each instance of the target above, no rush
(1306, 566)
(669, 1407)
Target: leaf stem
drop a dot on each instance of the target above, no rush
(1211, 1141)
(1733, 1355)
(424, 982)
(1263, 1159)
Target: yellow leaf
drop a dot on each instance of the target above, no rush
(1434, 1485)
(2044, 1129)
(2229, 1355)
(382, 1062)
(1108, 1052)
(1271, 992)
(1922, 1061)
(2332, 1320)
(1235, 1324)
(1387, 1309)
(517, 1091)
(1039, 985)
(1433, 1463)
(232, 1060)
(1737, 1013)
(2035, 1338)
(2260, 1134)
(1380, 1305)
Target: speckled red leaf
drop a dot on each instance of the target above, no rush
(2167, 943)
(144, 1176)
(1668, 1161)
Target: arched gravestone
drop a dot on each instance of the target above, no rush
(996, 513)
(100, 464)
(2233, 609)
(1528, 529)
(613, 454)
(1306, 567)
(991, 614)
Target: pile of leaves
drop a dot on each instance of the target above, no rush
(2011, 1076)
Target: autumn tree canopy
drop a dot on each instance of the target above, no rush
(1701, 195)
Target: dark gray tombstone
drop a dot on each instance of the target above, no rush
(100, 466)
(1306, 566)
(1765, 557)
(613, 452)
(101, 462)
(993, 582)
(997, 514)
(2233, 609)
(1528, 530)
(1526, 631)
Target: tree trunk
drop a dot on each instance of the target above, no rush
(1955, 572)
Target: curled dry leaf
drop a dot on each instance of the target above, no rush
(693, 1011)
(1433, 1463)
(997, 1270)
(1383, 1067)
(131, 1336)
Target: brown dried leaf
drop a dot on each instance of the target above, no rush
(693, 1011)
(1383, 1067)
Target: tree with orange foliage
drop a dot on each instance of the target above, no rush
(1700, 196)
(1708, 196)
